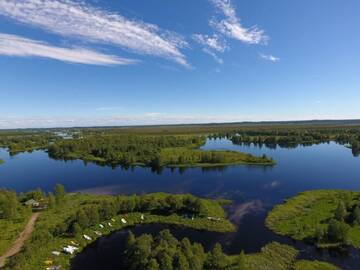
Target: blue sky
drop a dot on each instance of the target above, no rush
(128, 62)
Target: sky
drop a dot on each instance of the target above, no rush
(137, 62)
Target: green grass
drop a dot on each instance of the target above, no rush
(39, 247)
(276, 256)
(299, 217)
(314, 265)
(11, 228)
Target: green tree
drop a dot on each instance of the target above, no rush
(340, 212)
(337, 231)
(180, 262)
(153, 265)
(356, 216)
(51, 200)
(241, 262)
(82, 219)
(319, 233)
(8, 204)
(216, 259)
(59, 193)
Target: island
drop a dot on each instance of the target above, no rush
(326, 218)
(148, 150)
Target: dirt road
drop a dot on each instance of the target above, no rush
(19, 242)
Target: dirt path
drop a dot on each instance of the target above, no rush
(19, 242)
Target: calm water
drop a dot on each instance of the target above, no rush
(255, 190)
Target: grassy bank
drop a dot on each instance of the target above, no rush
(327, 218)
(54, 229)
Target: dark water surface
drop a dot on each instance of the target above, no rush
(255, 190)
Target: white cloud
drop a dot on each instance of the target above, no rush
(269, 57)
(12, 45)
(213, 42)
(231, 27)
(76, 19)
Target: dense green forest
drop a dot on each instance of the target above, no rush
(69, 216)
(158, 146)
(24, 141)
(154, 151)
(164, 251)
(324, 217)
(293, 138)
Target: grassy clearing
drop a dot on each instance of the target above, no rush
(314, 265)
(309, 214)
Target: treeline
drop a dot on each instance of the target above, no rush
(157, 203)
(123, 150)
(17, 142)
(164, 251)
(293, 138)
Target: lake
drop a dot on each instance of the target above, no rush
(254, 190)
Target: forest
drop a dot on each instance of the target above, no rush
(164, 251)
(69, 216)
(153, 151)
(327, 218)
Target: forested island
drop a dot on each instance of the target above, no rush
(68, 222)
(146, 150)
(327, 218)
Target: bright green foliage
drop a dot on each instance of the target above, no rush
(340, 213)
(59, 193)
(80, 214)
(314, 265)
(326, 217)
(154, 151)
(13, 218)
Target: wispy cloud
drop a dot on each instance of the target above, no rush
(214, 42)
(227, 25)
(269, 57)
(77, 19)
(231, 26)
(212, 45)
(12, 45)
